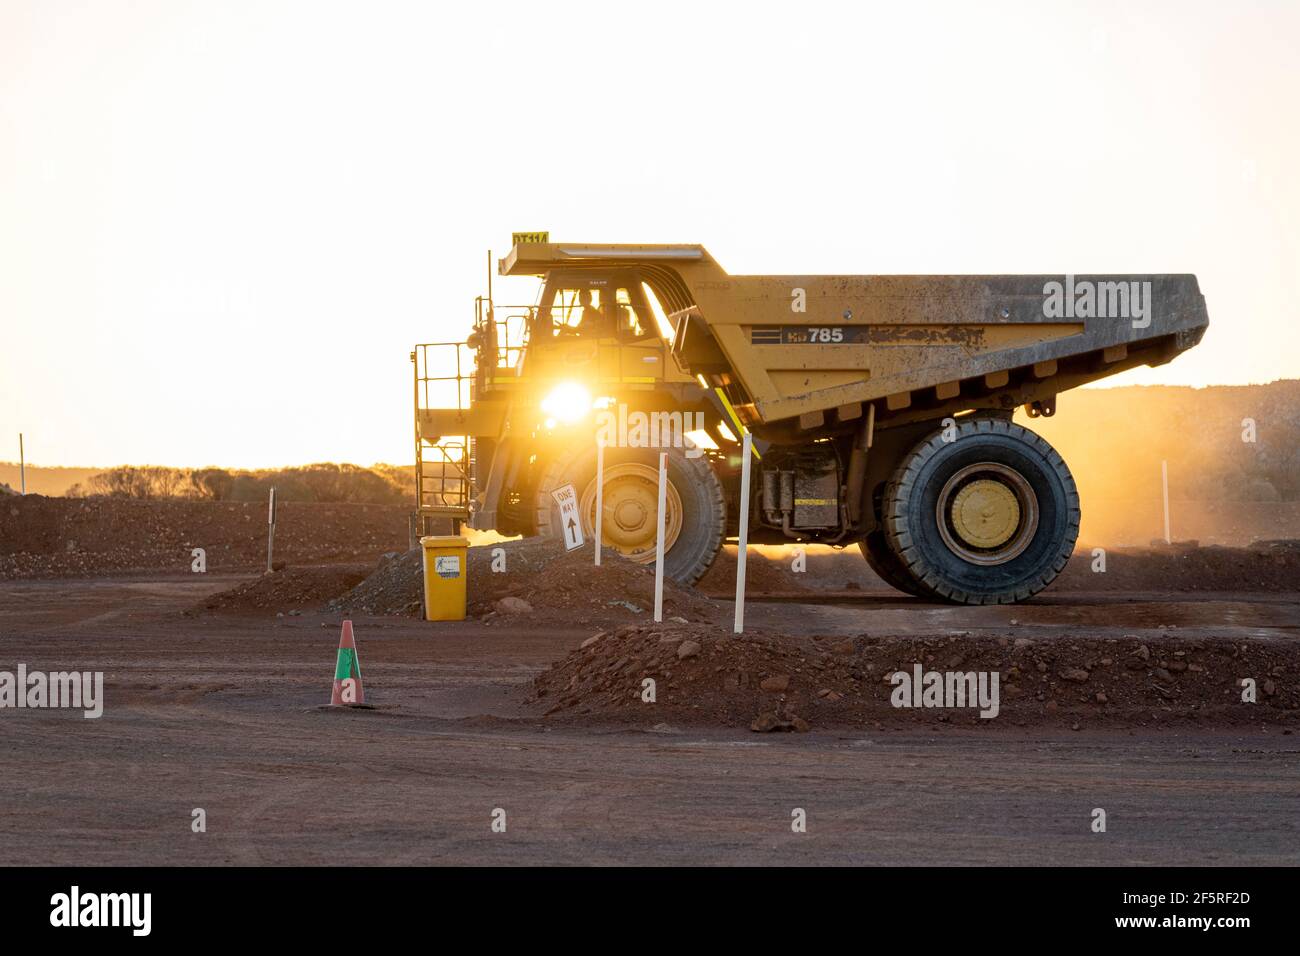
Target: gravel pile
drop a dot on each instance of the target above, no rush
(704, 675)
(289, 591)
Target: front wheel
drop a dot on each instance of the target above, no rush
(989, 515)
(695, 510)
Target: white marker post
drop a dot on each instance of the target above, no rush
(659, 540)
(600, 491)
(270, 530)
(742, 540)
(22, 465)
(1164, 481)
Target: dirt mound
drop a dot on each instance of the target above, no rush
(287, 591)
(707, 676)
(558, 585)
(67, 537)
(396, 587)
(1264, 566)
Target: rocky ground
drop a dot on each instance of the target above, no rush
(86, 537)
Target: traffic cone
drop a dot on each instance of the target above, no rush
(347, 672)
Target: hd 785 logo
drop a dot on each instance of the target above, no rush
(808, 335)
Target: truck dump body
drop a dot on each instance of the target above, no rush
(799, 353)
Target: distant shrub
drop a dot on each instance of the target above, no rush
(323, 482)
(213, 483)
(130, 481)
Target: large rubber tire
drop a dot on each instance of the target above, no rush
(703, 507)
(911, 514)
(887, 566)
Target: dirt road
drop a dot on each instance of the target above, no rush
(225, 714)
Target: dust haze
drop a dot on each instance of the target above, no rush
(1233, 454)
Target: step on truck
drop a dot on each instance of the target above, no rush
(880, 409)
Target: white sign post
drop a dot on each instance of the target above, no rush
(1164, 483)
(570, 522)
(600, 491)
(742, 540)
(659, 540)
(270, 530)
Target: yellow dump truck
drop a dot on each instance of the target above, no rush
(880, 408)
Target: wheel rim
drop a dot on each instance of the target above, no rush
(630, 506)
(987, 513)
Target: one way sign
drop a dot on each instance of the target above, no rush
(567, 499)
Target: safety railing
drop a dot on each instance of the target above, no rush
(444, 372)
(451, 375)
(442, 477)
(444, 378)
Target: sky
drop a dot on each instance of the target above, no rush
(224, 225)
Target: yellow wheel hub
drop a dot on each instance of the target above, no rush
(985, 513)
(630, 511)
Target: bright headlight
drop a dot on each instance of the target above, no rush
(568, 402)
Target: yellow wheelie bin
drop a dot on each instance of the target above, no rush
(445, 573)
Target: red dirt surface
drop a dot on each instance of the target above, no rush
(80, 537)
(227, 712)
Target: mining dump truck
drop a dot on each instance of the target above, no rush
(880, 409)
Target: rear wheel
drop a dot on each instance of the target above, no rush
(696, 513)
(882, 560)
(988, 518)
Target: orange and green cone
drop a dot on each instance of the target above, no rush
(347, 672)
